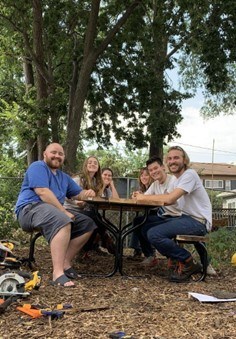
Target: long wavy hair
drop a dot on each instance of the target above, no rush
(142, 187)
(95, 183)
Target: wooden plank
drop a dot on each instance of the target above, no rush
(191, 238)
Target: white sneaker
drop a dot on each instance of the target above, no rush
(210, 270)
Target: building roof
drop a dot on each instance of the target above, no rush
(227, 194)
(204, 168)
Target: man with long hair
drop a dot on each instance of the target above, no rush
(196, 217)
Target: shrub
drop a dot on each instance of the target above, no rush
(221, 246)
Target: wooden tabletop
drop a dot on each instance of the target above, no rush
(111, 203)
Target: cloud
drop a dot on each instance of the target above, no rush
(199, 136)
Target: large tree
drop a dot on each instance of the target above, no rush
(138, 101)
(110, 62)
(66, 37)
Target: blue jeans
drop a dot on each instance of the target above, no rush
(161, 233)
(145, 244)
(134, 242)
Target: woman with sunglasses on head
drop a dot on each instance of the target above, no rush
(91, 178)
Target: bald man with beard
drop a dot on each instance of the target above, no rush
(40, 207)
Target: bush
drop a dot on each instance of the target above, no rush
(9, 188)
(221, 246)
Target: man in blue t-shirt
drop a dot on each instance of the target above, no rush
(40, 207)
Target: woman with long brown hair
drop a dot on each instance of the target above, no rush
(91, 178)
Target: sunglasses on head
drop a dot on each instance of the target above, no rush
(175, 148)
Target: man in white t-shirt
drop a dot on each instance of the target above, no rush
(163, 183)
(196, 218)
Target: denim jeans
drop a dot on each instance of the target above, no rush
(147, 248)
(134, 242)
(161, 233)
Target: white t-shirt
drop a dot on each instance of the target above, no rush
(166, 187)
(196, 199)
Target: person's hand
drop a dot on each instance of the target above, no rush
(89, 193)
(135, 193)
(80, 203)
(70, 215)
(139, 196)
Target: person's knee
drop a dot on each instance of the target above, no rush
(153, 235)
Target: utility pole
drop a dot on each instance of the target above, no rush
(212, 168)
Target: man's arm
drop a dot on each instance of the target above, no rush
(168, 199)
(85, 194)
(46, 195)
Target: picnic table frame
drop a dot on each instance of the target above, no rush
(117, 230)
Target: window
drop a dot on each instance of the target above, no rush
(231, 205)
(214, 184)
(228, 185)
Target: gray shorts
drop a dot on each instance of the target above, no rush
(49, 220)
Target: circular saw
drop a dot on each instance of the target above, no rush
(11, 284)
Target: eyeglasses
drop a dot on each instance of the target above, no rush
(176, 148)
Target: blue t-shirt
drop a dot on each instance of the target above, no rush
(39, 175)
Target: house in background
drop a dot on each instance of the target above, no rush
(219, 177)
(229, 199)
(216, 176)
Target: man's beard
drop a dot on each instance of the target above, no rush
(178, 168)
(50, 163)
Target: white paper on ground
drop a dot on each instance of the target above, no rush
(208, 298)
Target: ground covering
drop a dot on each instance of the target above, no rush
(147, 306)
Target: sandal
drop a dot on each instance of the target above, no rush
(71, 273)
(61, 281)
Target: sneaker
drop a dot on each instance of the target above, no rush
(185, 270)
(172, 265)
(211, 271)
(149, 262)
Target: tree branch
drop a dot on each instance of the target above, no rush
(116, 28)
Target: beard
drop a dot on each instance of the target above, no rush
(53, 163)
(178, 168)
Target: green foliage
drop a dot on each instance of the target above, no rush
(9, 188)
(222, 246)
(217, 202)
(122, 162)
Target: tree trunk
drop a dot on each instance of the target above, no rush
(80, 79)
(31, 145)
(76, 113)
(41, 84)
(158, 93)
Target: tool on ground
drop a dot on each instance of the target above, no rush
(13, 286)
(5, 303)
(233, 259)
(35, 312)
(68, 308)
(120, 335)
(7, 258)
(14, 283)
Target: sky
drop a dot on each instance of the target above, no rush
(210, 140)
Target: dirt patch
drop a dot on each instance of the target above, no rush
(147, 306)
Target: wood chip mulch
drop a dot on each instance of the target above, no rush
(145, 306)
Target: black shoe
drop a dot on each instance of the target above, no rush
(137, 253)
(185, 270)
(108, 243)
